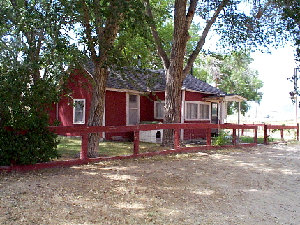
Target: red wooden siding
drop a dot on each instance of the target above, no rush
(81, 89)
(115, 113)
(115, 106)
(146, 108)
(195, 133)
(194, 96)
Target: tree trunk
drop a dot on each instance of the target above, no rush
(97, 109)
(172, 102)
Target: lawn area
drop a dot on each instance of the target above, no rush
(69, 147)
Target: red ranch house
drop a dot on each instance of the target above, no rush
(136, 96)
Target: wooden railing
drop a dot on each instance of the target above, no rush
(83, 131)
(281, 128)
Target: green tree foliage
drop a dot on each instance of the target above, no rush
(33, 57)
(291, 14)
(97, 25)
(239, 24)
(232, 74)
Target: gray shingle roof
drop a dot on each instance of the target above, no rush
(146, 80)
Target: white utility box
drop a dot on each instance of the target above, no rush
(151, 136)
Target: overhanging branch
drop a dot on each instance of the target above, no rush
(201, 41)
(162, 53)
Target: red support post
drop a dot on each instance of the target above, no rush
(176, 139)
(208, 137)
(255, 135)
(136, 143)
(242, 133)
(297, 131)
(84, 147)
(265, 134)
(281, 134)
(234, 136)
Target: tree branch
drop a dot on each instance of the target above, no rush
(201, 41)
(157, 40)
(88, 30)
(98, 20)
(191, 12)
(110, 30)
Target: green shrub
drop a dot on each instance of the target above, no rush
(36, 145)
(24, 107)
(221, 139)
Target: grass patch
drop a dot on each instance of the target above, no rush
(70, 147)
(247, 139)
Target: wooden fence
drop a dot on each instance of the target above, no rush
(83, 131)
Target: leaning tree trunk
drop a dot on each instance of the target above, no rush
(97, 109)
(172, 103)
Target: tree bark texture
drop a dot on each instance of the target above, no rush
(97, 109)
(174, 65)
(172, 105)
(174, 74)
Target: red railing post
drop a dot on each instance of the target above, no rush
(281, 134)
(265, 134)
(176, 139)
(297, 131)
(84, 147)
(208, 136)
(136, 143)
(234, 136)
(255, 135)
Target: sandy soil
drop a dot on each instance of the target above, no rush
(243, 186)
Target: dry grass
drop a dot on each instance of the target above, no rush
(245, 186)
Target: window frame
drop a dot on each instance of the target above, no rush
(198, 110)
(84, 109)
(155, 114)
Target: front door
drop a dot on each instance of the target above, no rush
(214, 113)
(214, 117)
(133, 109)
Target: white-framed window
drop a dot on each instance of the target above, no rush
(192, 111)
(79, 111)
(159, 109)
(133, 109)
(195, 110)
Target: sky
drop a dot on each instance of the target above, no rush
(274, 68)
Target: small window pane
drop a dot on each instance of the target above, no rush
(204, 111)
(192, 111)
(78, 117)
(159, 109)
(133, 116)
(214, 109)
(79, 108)
(133, 103)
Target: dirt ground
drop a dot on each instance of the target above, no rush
(243, 186)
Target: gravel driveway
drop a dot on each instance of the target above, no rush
(258, 185)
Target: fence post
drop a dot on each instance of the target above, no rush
(281, 134)
(255, 135)
(176, 139)
(84, 147)
(297, 131)
(136, 143)
(208, 136)
(265, 134)
(234, 136)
